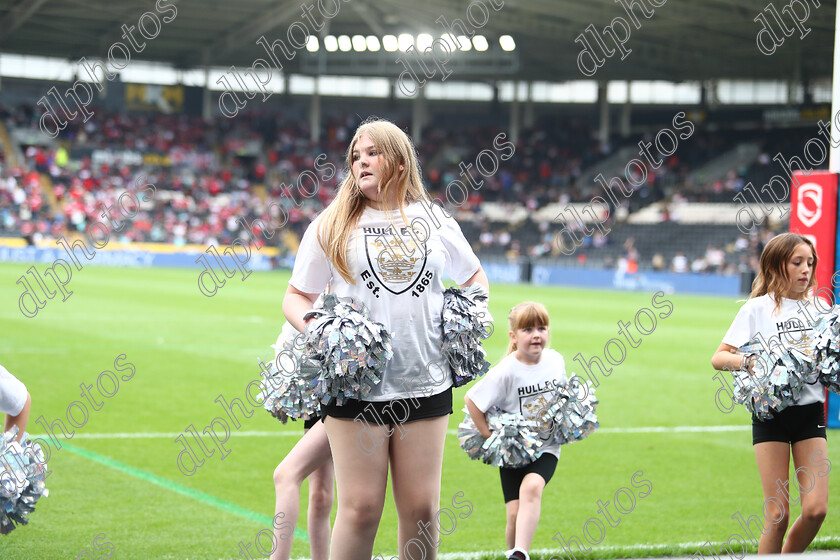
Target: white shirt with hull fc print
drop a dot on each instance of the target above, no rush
(399, 278)
(789, 328)
(526, 389)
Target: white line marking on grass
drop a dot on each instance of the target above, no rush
(626, 550)
(673, 429)
(636, 430)
(167, 435)
(33, 350)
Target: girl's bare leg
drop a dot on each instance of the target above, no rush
(511, 513)
(361, 473)
(311, 453)
(814, 495)
(773, 458)
(321, 498)
(530, 499)
(416, 463)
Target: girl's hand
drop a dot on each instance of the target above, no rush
(728, 358)
(478, 418)
(749, 362)
(295, 305)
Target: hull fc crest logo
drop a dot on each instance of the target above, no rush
(396, 262)
(538, 407)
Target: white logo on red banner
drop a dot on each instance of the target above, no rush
(810, 213)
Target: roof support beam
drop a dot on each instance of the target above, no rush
(18, 16)
(233, 40)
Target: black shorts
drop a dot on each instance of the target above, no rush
(307, 424)
(512, 478)
(397, 411)
(795, 423)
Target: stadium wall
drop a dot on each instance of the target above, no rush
(139, 255)
(668, 282)
(545, 273)
(146, 255)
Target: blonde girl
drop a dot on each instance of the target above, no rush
(523, 382)
(382, 242)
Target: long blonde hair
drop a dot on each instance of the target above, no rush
(773, 276)
(526, 314)
(340, 218)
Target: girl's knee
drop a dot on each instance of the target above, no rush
(814, 514)
(361, 517)
(320, 501)
(531, 490)
(418, 512)
(776, 521)
(281, 476)
(284, 475)
(511, 518)
(417, 505)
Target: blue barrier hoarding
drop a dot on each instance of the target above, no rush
(651, 281)
(129, 258)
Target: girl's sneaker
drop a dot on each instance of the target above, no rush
(517, 554)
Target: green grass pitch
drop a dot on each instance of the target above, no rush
(188, 349)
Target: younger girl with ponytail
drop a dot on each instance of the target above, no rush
(523, 382)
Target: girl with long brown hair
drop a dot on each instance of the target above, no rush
(778, 310)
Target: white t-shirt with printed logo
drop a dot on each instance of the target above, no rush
(526, 389)
(790, 326)
(400, 282)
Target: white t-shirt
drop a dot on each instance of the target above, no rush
(401, 284)
(12, 393)
(526, 389)
(788, 328)
(288, 334)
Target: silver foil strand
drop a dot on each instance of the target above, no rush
(513, 441)
(827, 349)
(351, 349)
(776, 381)
(466, 322)
(294, 392)
(571, 416)
(22, 474)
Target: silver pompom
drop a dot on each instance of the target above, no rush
(22, 474)
(571, 416)
(352, 349)
(466, 322)
(827, 349)
(290, 385)
(470, 439)
(776, 381)
(513, 441)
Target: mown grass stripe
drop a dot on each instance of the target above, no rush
(218, 503)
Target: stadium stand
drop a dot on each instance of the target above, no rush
(212, 172)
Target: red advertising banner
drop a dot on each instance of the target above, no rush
(813, 213)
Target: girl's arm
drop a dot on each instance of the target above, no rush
(295, 306)
(478, 417)
(478, 278)
(20, 419)
(728, 358)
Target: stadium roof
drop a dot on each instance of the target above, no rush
(688, 40)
